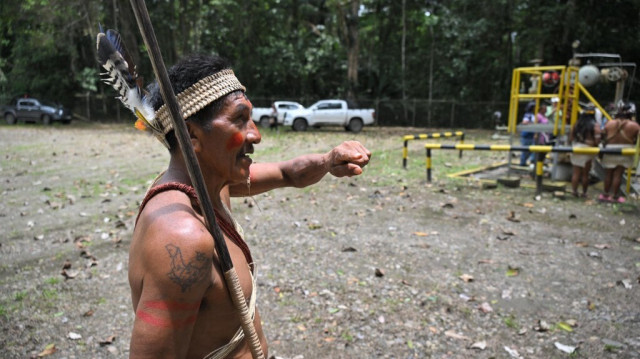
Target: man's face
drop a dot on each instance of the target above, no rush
(229, 142)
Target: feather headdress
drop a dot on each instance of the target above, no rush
(122, 76)
(120, 73)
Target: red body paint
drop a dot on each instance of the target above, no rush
(235, 141)
(158, 321)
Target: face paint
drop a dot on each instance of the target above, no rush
(235, 141)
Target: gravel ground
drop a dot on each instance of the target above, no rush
(384, 265)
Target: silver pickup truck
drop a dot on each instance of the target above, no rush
(330, 113)
(32, 110)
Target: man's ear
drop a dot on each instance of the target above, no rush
(195, 133)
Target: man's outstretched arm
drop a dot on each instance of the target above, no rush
(347, 159)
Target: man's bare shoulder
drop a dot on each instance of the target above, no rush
(169, 219)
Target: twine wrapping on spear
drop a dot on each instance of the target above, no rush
(180, 128)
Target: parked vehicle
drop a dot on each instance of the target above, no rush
(33, 110)
(264, 115)
(330, 113)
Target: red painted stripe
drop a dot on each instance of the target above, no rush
(171, 306)
(164, 323)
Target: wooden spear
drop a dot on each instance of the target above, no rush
(180, 128)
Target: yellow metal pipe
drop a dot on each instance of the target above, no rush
(500, 147)
(593, 101)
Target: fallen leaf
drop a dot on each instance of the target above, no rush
(349, 249)
(454, 335)
(479, 345)
(66, 265)
(74, 336)
(108, 341)
(602, 246)
(565, 348)
(485, 308)
(512, 271)
(447, 205)
(421, 234)
(508, 232)
(542, 326)
(572, 322)
(582, 244)
(69, 274)
(513, 353)
(314, 225)
(48, 350)
(626, 283)
(466, 278)
(88, 313)
(512, 217)
(527, 205)
(379, 272)
(564, 326)
(467, 298)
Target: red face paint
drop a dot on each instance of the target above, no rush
(235, 141)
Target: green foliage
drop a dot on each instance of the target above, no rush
(297, 48)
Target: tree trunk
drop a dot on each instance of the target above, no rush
(353, 49)
(348, 22)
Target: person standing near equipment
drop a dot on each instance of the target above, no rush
(526, 137)
(585, 133)
(619, 133)
(542, 138)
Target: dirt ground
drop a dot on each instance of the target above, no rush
(384, 265)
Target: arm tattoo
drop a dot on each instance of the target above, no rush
(186, 274)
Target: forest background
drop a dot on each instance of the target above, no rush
(430, 63)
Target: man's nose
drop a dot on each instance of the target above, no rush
(253, 134)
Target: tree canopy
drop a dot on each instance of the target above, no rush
(463, 50)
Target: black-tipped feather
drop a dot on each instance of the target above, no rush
(121, 74)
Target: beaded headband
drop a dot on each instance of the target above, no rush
(195, 98)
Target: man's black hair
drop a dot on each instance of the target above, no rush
(183, 75)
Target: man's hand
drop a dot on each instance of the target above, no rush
(348, 159)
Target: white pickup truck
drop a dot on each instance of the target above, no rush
(263, 115)
(330, 113)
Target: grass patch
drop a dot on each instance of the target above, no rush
(19, 296)
(52, 281)
(511, 322)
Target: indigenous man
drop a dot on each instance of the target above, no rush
(182, 306)
(619, 133)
